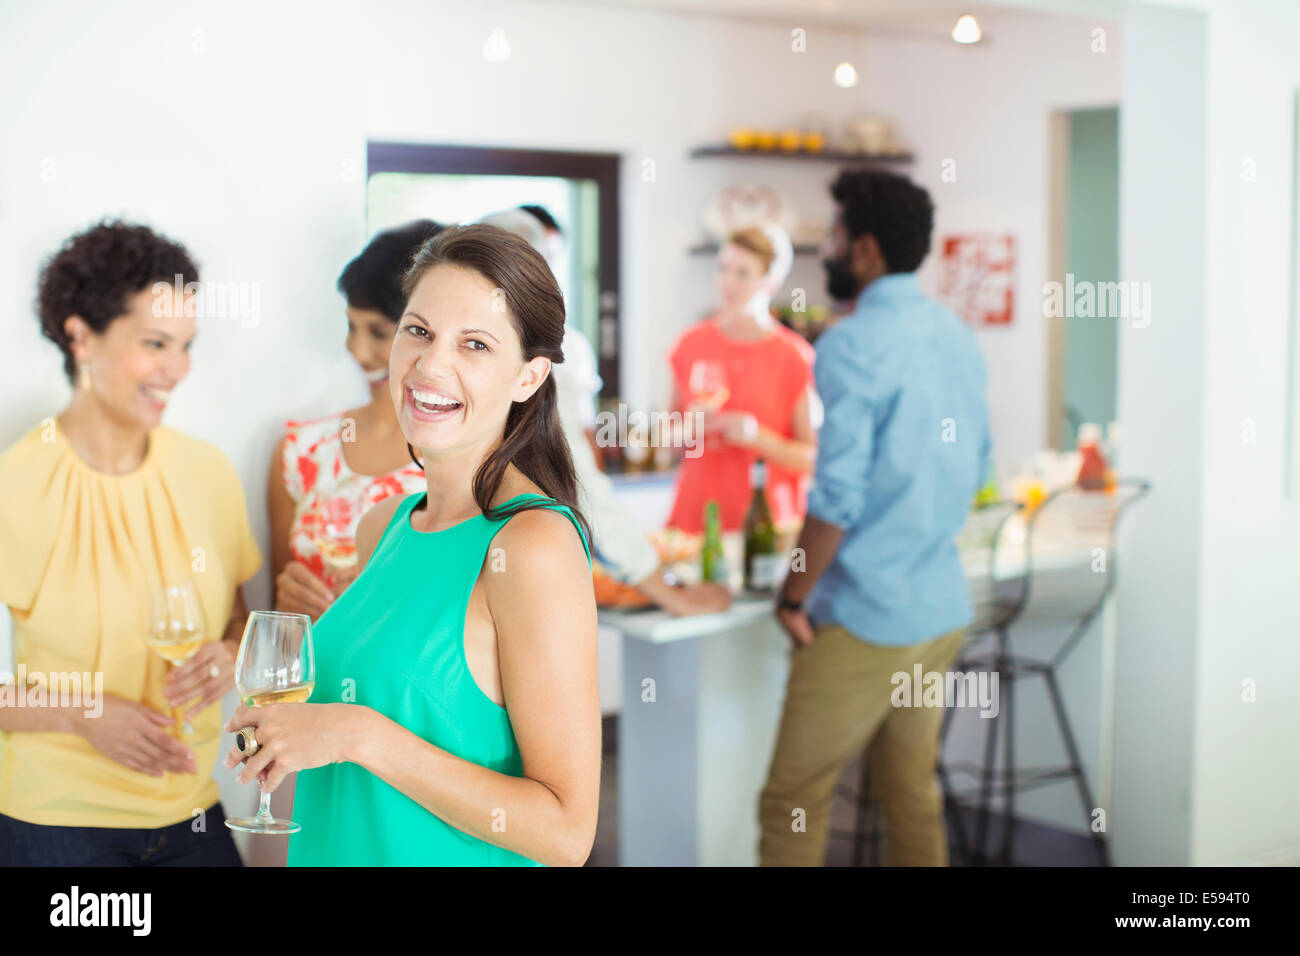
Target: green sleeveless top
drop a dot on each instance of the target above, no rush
(394, 641)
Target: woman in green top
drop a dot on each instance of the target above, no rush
(455, 719)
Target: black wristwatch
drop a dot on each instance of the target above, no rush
(786, 604)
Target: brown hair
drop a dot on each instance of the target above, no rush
(753, 239)
(533, 439)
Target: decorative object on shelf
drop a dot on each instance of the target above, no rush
(737, 206)
(808, 235)
(872, 134)
(807, 135)
(977, 276)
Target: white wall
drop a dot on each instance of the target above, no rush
(1205, 776)
(1161, 381)
(1247, 782)
(241, 129)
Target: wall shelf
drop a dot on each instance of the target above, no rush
(711, 248)
(826, 155)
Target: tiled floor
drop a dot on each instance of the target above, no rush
(1036, 845)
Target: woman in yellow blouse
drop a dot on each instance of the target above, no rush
(100, 508)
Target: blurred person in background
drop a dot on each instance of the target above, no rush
(751, 380)
(623, 550)
(99, 510)
(882, 578)
(327, 472)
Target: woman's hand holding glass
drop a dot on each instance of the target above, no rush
(739, 429)
(276, 666)
(208, 676)
(293, 737)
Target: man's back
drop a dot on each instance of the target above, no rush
(902, 452)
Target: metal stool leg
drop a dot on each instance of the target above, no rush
(1076, 766)
(1006, 689)
(987, 773)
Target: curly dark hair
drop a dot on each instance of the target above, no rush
(373, 280)
(890, 207)
(96, 271)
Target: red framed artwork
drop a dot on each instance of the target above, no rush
(977, 275)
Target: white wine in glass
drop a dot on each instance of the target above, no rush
(336, 539)
(276, 666)
(177, 630)
(707, 384)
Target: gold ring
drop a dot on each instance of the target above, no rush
(246, 741)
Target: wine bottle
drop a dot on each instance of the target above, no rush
(761, 559)
(713, 565)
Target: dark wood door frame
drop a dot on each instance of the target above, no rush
(491, 161)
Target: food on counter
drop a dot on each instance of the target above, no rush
(610, 592)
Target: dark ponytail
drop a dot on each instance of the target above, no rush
(533, 440)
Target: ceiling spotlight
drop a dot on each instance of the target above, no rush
(846, 75)
(966, 30)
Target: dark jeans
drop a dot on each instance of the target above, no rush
(29, 844)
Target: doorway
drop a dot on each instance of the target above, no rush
(1085, 254)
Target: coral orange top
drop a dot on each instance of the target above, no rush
(765, 377)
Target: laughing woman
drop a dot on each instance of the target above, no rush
(99, 508)
(466, 648)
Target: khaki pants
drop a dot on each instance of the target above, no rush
(837, 699)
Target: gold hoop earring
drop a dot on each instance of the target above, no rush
(83, 376)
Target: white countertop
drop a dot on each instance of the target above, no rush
(660, 627)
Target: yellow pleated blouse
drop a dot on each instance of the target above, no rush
(81, 553)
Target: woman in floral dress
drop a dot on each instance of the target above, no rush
(327, 472)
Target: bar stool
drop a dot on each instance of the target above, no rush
(1069, 570)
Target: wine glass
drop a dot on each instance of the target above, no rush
(177, 630)
(708, 384)
(276, 665)
(336, 538)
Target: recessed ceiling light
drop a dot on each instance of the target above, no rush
(846, 75)
(967, 29)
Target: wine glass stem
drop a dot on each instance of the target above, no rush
(183, 725)
(264, 807)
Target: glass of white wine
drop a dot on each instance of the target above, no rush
(707, 384)
(177, 630)
(276, 666)
(336, 539)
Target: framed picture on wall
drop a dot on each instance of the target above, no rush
(977, 276)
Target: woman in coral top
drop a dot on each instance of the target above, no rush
(751, 380)
(329, 471)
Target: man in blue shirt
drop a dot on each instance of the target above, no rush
(876, 584)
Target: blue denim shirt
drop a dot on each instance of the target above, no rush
(902, 451)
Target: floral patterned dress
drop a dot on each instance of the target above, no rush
(320, 483)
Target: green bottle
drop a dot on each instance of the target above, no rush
(713, 566)
(760, 535)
